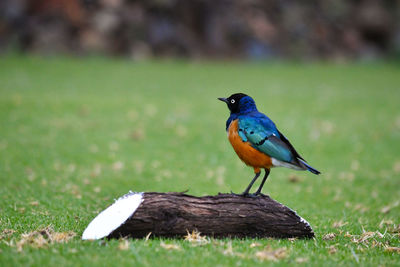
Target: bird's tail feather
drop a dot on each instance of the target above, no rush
(309, 168)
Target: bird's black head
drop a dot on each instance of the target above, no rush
(233, 101)
(239, 103)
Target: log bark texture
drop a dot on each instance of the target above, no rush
(223, 215)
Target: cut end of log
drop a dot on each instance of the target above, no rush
(113, 217)
(174, 214)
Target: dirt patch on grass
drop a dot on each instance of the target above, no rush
(43, 237)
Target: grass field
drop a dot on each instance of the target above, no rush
(77, 133)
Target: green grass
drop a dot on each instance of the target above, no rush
(77, 133)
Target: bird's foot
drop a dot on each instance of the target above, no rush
(259, 194)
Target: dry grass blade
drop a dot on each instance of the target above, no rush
(339, 224)
(301, 260)
(6, 233)
(332, 250)
(329, 236)
(255, 244)
(354, 255)
(366, 236)
(195, 237)
(229, 250)
(148, 236)
(123, 244)
(270, 254)
(170, 246)
(388, 208)
(392, 249)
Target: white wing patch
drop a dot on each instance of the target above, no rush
(279, 163)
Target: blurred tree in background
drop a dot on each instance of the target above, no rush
(255, 29)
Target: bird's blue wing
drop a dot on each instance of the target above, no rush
(262, 134)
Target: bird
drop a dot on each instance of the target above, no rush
(257, 141)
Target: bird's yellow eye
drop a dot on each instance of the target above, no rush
(233, 101)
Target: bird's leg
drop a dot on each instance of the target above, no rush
(246, 192)
(258, 192)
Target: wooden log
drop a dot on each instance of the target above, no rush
(174, 214)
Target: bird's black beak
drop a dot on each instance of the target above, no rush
(223, 99)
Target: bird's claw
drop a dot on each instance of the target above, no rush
(259, 194)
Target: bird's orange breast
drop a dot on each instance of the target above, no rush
(245, 151)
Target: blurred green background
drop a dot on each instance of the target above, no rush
(78, 133)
